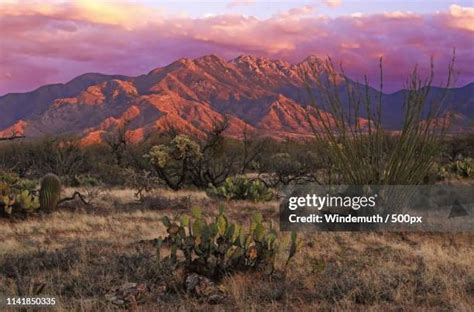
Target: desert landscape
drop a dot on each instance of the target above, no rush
(148, 150)
(83, 255)
(104, 239)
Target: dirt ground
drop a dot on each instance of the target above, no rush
(81, 253)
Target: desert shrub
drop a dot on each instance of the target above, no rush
(141, 182)
(463, 167)
(281, 163)
(241, 187)
(35, 158)
(14, 181)
(284, 165)
(111, 174)
(282, 169)
(437, 173)
(100, 164)
(63, 157)
(216, 248)
(85, 180)
(459, 146)
(459, 168)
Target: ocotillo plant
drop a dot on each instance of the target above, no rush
(351, 126)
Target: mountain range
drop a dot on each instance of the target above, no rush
(189, 96)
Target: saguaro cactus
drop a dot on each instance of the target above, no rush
(50, 192)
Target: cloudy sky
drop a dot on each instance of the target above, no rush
(54, 41)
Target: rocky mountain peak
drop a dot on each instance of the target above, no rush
(186, 95)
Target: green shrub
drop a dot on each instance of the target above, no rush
(214, 249)
(463, 167)
(85, 180)
(292, 167)
(141, 182)
(241, 188)
(438, 172)
(284, 166)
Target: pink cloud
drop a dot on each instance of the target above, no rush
(297, 12)
(55, 43)
(235, 3)
(332, 3)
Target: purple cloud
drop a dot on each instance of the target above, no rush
(54, 43)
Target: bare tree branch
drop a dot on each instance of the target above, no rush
(14, 137)
(73, 197)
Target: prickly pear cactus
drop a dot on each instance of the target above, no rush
(27, 201)
(50, 192)
(7, 202)
(216, 248)
(241, 187)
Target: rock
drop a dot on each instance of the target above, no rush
(216, 298)
(128, 294)
(202, 287)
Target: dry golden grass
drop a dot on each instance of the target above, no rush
(80, 253)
